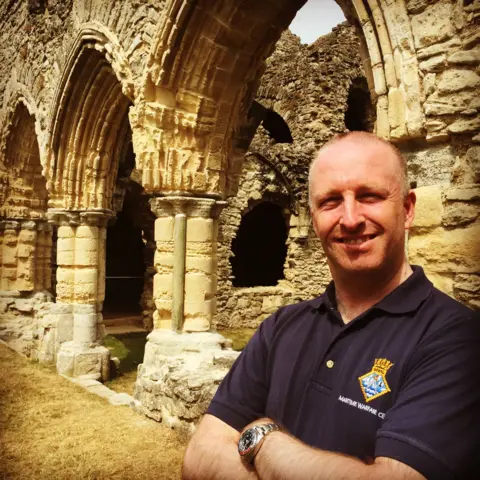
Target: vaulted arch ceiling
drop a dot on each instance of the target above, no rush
(23, 194)
(88, 136)
(206, 64)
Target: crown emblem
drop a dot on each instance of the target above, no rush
(374, 383)
(382, 365)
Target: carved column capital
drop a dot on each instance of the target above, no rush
(190, 206)
(75, 218)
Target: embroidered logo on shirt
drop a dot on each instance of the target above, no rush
(374, 383)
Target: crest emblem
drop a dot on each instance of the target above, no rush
(374, 383)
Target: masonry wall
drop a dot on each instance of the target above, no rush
(308, 85)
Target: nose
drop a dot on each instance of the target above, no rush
(352, 216)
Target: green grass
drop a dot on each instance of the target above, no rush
(129, 348)
(240, 336)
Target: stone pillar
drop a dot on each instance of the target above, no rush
(184, 360)
(25, 253)
(81, 240)
(25, 282)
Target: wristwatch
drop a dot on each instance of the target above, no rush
(251, 440)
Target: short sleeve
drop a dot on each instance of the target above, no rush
(434, 424)
(242, 395)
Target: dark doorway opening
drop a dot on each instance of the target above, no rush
(359, 115)
(125, 265)
(259, 248)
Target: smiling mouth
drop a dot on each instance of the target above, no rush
(356, 240)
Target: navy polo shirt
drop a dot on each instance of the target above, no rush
(400, 381)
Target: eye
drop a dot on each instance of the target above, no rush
(329, 202)
(370, 197)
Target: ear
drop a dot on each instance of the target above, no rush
(409, 208)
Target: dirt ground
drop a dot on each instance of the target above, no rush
(53, 429)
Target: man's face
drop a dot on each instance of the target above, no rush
(358, 208)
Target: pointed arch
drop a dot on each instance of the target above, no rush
(91, 112)
(24, 194)
(209, 94)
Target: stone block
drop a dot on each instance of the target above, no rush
(447, 251)
(87, 232)
(460, 214)
(85, 257)
(469, 57)
(463, 194)
(163, 259)
(200, 230)
(64, 327)
(465, 125)
(432, 25)
(204, 264)
(429, 208)
(9, 256)
(271, 304)
(455, 80)
(197, 285)
(25, 250)
(64, 232)
(27, 236)
(84, 328)
(196, 324)
(429, 83)
(433, 64)
(164, 229)
(162, 285)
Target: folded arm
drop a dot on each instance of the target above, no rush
(212, 454)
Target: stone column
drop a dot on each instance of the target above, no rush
(184, 360)
(25, 282)
(80, 293)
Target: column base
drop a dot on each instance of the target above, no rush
(79, 360)
(180, 375)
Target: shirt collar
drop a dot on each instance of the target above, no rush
(407, 297)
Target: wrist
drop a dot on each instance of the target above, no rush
(253, 437)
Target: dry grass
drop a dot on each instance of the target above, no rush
(52, 429)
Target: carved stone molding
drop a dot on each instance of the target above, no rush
(190, 206)
(94, 218)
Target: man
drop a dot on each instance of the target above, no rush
(376, 378)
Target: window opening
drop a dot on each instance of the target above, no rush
(259, 249)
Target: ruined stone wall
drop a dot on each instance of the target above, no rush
(308, 85)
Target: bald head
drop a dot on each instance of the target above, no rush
(364, 139)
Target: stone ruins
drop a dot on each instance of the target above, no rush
(160, 148)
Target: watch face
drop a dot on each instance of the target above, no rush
(247, 441)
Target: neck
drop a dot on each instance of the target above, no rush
(356, 295)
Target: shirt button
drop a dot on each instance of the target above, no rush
(330, 363)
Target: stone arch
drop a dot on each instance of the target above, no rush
(89, 122)
(25, 240)
(24, 193)
(206, 97)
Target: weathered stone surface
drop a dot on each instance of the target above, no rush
(180, 375)
(465, 125)
(455, 80)
(460, 214)
(433, 25)
(433, 64)
(471, 57)
(447, 251)
(431, 166)
(467, 193)
(429, 207)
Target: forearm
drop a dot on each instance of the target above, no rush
(284, 457)
(217, 465)
(215, 458)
